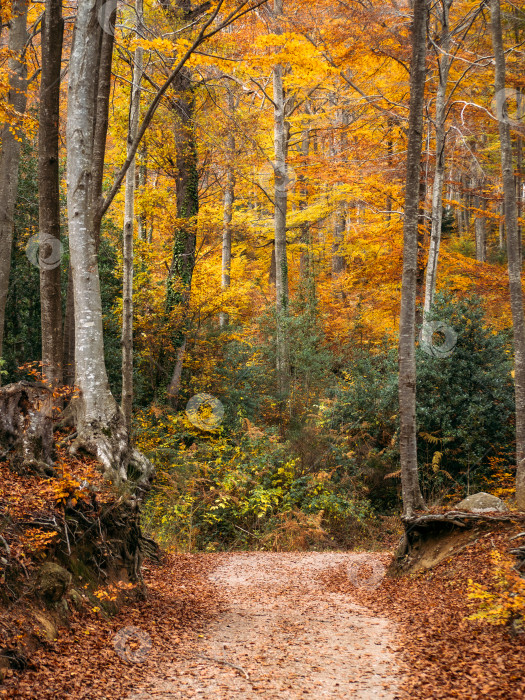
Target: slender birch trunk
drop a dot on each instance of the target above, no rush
(412, 498)
(305, 265)
(68, 347)
(49, 192)
(439, 171)
(129, 221)
(11, 138)
(501, 228)
(480, 229)
(513, 249)
(280, 212)
(338, 261)
(143, 176)
(229, 196)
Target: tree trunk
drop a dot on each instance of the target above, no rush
(280, 211)
(68, 352)
(183, 261)
(102, 76)
(513, 249)
(129, 222)
(100, 423)
(338, 261)
(501, 228)
(143, 177)
(11, 138)
(49, 193)
(480, 230)
(519, 165)
(229, 195)
(305, 264)
(439, 172)
(412, 498)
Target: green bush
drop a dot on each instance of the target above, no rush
(465, 400)
(465, 404)
(229, 491)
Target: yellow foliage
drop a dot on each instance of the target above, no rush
(502, 602)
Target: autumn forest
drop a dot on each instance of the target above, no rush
(261, 296)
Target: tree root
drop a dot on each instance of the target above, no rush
(225, 663)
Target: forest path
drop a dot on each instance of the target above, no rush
(285, 636)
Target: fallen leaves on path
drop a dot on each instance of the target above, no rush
(283, 636)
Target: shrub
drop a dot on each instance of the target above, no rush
(464, 414)
(243, 489)
(502, 602)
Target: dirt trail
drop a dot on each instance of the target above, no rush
(285, 637)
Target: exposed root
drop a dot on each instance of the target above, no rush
(26, 427)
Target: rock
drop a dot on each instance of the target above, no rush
(482, 503)
(53, 582)
(76, 598)
(47, 627)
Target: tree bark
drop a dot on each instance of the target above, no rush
(280, 212)
(480, 230)
(68, 352)
(229, 196)
(513, 249)
(439, 171)
(102, 70)
(49, 193)
(183, 261)
(129, 222)
(11, 137)
(143, 177)
(412, 498)
(501, 228)
(338, 261)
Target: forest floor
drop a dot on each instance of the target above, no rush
(287, 625)
(224, 626)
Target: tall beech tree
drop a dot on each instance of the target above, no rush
(100, 423)
(412, 498)
(11, 138)
(49, 191)
(444, 62)
(281, 138)
(129, 224)
(229, 198)
(513, 246)
(185, 238)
